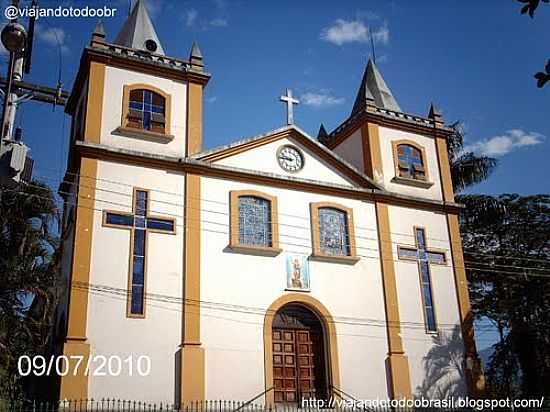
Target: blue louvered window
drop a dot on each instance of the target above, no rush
(147, 110)
(255, 221)
(334, 232)
(410, 162)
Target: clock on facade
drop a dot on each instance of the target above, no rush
(290, 158)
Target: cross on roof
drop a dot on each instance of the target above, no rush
(290, 101)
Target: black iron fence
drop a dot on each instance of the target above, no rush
(116, 405)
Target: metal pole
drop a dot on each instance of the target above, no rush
(12, 106)
(7, 97)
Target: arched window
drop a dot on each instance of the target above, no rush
(147, 111)
(410, 162)
(332, 231)
(253, 221)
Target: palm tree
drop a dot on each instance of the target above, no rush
(467, 168)
(28, 245)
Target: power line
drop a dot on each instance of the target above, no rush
(305, 246)
(252, 310)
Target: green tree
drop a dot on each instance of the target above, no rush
(467, 168)
(507, 251)
(28, 272)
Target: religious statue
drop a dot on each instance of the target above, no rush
(297, 274)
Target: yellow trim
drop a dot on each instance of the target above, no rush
(372, 154)
(94, 104)
(192, 377)
(395, 144)
(474, 378)
(194, 118)
(76, 387)
(126, 107)
(234, 222)
(329, 329)
(397, 362)
(129, 313)
(444, 169)
(316, 235)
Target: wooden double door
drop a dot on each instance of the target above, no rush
(299, 370)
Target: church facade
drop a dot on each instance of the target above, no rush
(280, 266)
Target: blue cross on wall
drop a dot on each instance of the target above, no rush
(139, 223)
(424, 257)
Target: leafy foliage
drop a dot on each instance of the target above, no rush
(28, 270)
(507, 250)
(542, 77)
(531, 6)
(467, 168)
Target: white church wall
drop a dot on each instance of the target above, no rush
(110, 332)
(232, 336)
(115, 80)
(351, 149)
(264, 158)
(423, 349)
(387, 136)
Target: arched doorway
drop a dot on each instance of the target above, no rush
(299, 360)
(330, 342)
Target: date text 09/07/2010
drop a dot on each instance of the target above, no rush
(93, 365)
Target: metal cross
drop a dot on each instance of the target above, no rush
(290, 101)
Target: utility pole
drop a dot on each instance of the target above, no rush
(15, 164)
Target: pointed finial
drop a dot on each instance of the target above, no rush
(195, 57)
(98, 35)
(435, 115)
(99, 29)
(322, 136)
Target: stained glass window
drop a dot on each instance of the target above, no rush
(410, 162)
(146, 111)
(425, 280)
(139, 223)
(334, 234)
(255, 221)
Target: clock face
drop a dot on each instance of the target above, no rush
(290, 159)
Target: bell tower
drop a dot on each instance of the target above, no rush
(130, 104)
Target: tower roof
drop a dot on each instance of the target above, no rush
(373, 87)
(138, 31)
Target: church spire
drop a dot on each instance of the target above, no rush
(138, 31)
(373, 88)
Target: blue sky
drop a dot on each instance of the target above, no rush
(476, 60)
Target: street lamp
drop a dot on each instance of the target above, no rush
(14, 37)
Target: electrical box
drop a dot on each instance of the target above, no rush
(15, 164)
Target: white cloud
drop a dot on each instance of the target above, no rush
(382, 34)
(219, 22)
(320, 99)
(509, 141)
(349, 31)
(53, 36)
(190, 17)
(211, 99)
